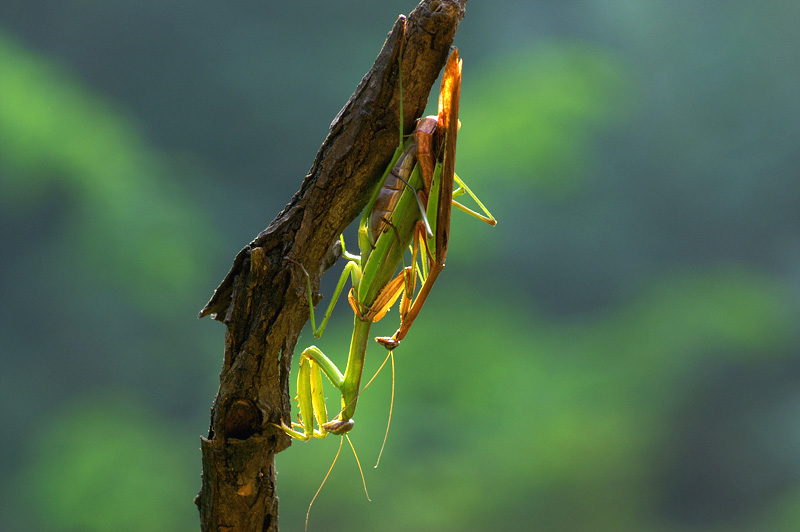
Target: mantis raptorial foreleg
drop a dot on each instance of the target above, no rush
(313, 363)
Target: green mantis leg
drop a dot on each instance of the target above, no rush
(352, 269)
(311, 399)
(464, 189)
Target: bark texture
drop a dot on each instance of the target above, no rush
(261, 300)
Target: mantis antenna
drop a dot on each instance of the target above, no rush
(339, 450)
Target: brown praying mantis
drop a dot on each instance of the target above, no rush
(409, 209)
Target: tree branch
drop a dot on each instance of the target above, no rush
(260, 302)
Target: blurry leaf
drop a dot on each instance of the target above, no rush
(688, 313)
(126, 222)
(104, 464)
(529, 116)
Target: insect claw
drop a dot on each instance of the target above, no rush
(337, 426)
(387, 342)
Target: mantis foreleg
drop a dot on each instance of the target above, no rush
(310, 397)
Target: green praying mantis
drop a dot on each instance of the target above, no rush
(409, 209)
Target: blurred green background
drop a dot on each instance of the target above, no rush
(619, 353)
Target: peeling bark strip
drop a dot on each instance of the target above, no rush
(259, 301)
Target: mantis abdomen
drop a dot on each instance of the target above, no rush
(391, 190)
(419, 150)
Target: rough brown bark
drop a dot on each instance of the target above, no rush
(261, 303)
